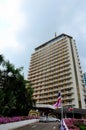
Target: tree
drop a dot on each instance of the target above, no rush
(29, 93)
(15, 98)
(1, 59)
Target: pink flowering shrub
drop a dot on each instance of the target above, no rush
(73, 124)
(4, 120)
(70, 124)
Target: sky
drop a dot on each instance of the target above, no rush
(26, 24)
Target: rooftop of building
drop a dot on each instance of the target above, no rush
(56, 38)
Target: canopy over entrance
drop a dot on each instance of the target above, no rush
(45, 109)
(73, 113)
(44, 106)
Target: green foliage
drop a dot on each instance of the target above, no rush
(1, 59)
(82, 127)
(30, 90)
(15, 97)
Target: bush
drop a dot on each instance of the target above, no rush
(4, 120)
(75, 124)
(82, 127)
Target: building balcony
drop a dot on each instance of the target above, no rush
(65, 82)
(66, 87)
(68, 98)
(67, 104)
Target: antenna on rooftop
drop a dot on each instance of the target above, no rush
(55, 34)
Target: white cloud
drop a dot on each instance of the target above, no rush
(11, 21)
(42, 18)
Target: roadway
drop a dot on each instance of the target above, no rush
(40, 126)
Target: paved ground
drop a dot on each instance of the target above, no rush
(18, 124)
(40, 126)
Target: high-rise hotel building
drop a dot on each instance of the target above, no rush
(55, 66)
(84, 79)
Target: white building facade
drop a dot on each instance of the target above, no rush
(55, 66)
